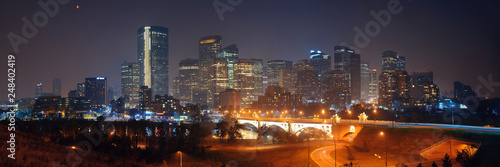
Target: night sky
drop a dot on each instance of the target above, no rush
(458, 40)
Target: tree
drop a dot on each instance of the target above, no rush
(222, 129)
(228, 130)
(262, 132)
(234, 132)
(465, 156)
(419, 164)
(446, 161)
(434, 164)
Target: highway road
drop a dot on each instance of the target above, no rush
(321, 156)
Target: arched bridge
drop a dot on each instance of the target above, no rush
(342, 129)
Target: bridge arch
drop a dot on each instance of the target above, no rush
(282, 125)
(298, 128)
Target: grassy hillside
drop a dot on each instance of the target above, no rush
(412, 141)
(33, 151)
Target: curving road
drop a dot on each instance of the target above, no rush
(322, 156)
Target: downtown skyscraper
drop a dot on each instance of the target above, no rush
(209, 46)
(306, 81)
(188, 80)
(349, 62)
(152, 54)
(96, 91)
(322, 62)
(248, 76)
(394, 82)
(230, 54)
(130, 84)
(56, 87)
(274, 68)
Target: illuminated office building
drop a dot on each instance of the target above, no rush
(306, 81)
(230, 54)
(130, 75)
(152, 54)
(188, 80)
(274, 67)
(209, 46)
(248, 76)
(218, 80)
(349, 62)
(96, 91)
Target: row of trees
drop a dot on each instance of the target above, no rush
(122, 139)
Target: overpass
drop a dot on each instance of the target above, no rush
(339, 129)
(347, 129)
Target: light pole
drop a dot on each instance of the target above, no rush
(335, 143)
(452, 117)
(308, 149)
(181, 156)
(382, 133)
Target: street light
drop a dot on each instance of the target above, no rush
(382, 133)
(181, 156)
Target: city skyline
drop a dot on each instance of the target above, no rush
(82, 61)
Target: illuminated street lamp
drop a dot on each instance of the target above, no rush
(181, 157)
(382, 133)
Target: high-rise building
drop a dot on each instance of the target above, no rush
(373, 87)
(39, 90)
(285, 78)
(394, 90)
(230, 54)
(366, 73)
(462, 91)
(109, 94)
(322, 62)
(218, 80)
(176, 88)
(80, 89)
(401, 66)
(274, 67)
(96, 90)
(145, 98)
(335, 86)
(306, 81)
(209, 46)
(349, 62)
(248, 77)
(418, 80)
(423, 92)
(391, 61)
(188, 80)
(259, 77)
(152, 54)
(56, 87)
(130, 76)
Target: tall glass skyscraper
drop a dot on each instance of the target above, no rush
(322, 62)
(56, 87)
(209, 46)
(188, 80)
(391, 61)
(349, 62)
(130, 84)
(274, 67)
(96, 91)
(230, 54)
(152, 54)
